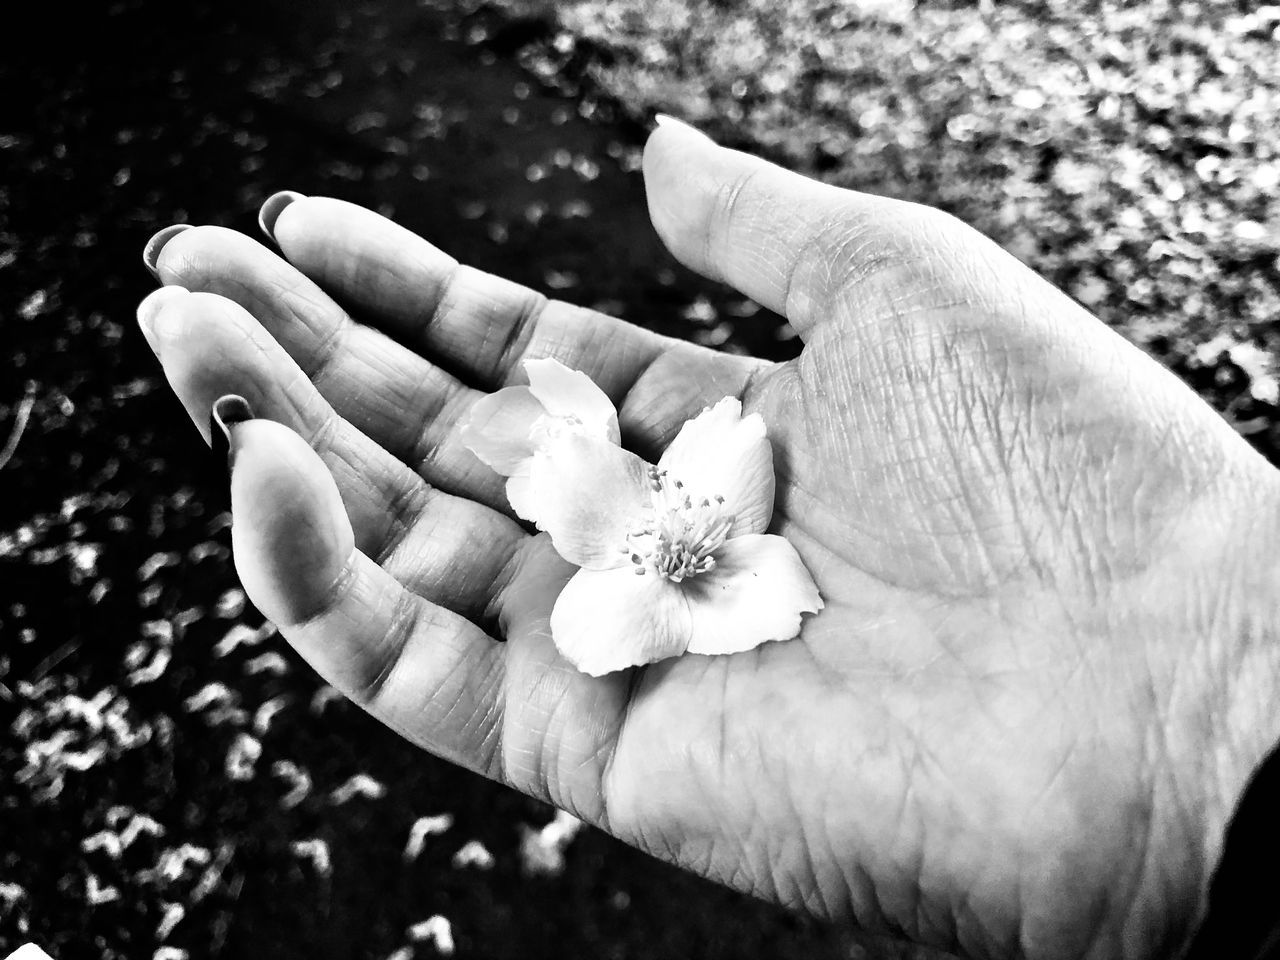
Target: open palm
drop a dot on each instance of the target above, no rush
(997, 736)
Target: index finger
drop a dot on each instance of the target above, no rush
(471, 321)
(483, 326)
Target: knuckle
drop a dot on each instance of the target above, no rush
(731, 206)
(375, 669)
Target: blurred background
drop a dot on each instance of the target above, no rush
(173, 781)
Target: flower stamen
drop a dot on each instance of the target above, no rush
(681, 539)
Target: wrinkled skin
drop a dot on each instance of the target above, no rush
(1043, 673)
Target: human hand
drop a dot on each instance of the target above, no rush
(1042, 675)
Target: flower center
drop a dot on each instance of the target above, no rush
(549, 427)
(682, 535)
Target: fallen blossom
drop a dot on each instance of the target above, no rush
(82, 760)
(316, 851)
(140, 824)
(542, 849)
(324, 696)
(437, 930)
(153, 670)
(155, 563)
(134, 654)
(269, 662)
(238, 636)
(674, 556)
(160, 630)
(174, 862)
(299, 782)
(231, 604)
(362, 785)
(242, 757)
(473, 854)
(11, 893)
(212, 875)
(173, 914)
(266, 712)
(96, 893)
(209, 695)
(505, 429)
(105, 840)
(422, 828)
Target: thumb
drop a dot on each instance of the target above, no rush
(788, 242)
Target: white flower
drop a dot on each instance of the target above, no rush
(674, 557)
(507, 427)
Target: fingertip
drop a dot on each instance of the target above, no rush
(155, 246)
(272, 207)
(167, 254)
(291, 535)
(740, 219)
(174, 315)
(151, 307)
(670, 142)
(677, 126)
(684, 174)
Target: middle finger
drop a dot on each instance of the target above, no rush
(402, 402)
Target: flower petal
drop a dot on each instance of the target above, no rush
(571, 393)
(499, 426)
(588, 494)
(756, 592)
(606, 620)
(722, 453)
(520, 493)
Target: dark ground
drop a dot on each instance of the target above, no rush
(119, 692)
(116, 586)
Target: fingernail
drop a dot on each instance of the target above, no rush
(226, 412)
(271, 209)
(151, 252)
(671, 123)
(150, 308)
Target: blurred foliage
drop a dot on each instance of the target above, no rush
(1127, 151)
